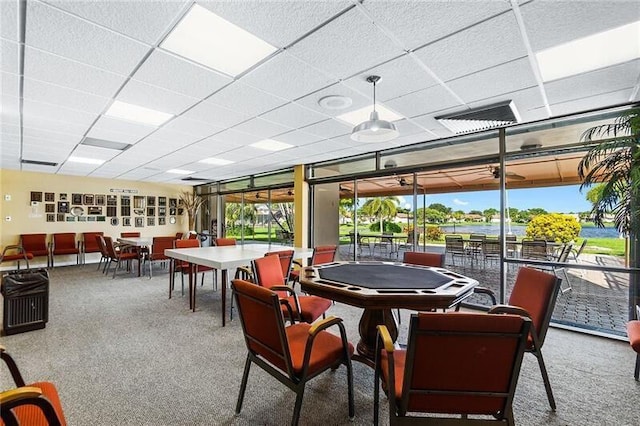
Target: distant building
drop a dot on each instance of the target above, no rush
(474, 218)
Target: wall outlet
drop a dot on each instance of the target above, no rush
(7, 197)
(7, 218)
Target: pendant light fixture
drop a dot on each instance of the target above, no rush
(374, 129)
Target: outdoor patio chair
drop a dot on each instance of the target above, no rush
(512, 248)
(575, 253)
(29, 404)
(464, 364)
(633, 332)
(294, 354)
(385, 241)
(534, 249)
(225, 242)
(563, 257)
(490, 250)
(64, 243)
(454, 246)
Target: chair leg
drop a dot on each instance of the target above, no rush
(298, 406)
(376, 394)
(243, 385)
(352, 409)
(545, 379)
(566, 277)
(636, 373)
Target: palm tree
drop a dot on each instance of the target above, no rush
(382, 208)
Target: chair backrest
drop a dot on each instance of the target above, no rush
(424, 259)
(129, 235)
(477, 236)
(453, 243)
(159, 245)
(579, 251)
(268, 271)
(179, 235)
(536, 292)
(34, 242)
(64, 240)
(101, 244)
(186, 243)
(262, 323)
(89, 241)
(109, 248)
(485, 351)
(534, 249)
(225, 241)
(564, 253)
(192, 235)
(491, 247)
(286, 259)
(323, 254)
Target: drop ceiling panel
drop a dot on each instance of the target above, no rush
(60, 33)
(172, 73)
(544, 19)
(211, 147)
(235, 138)
(86, 151)
(169, 138)
(358, 99)
(113, 136)
(328, 129)
(113, 129)
(10, 85)
(38, 151)
(51, 136)
(294, 116)
(78, 169)
(329, 50)
(216, 115)
(245, 100)
(57, 95)
(593, 83)
(39, 168)
(278, 23)
(54, 69)
(509, 77)
(263, 128)
(297, 138)
(287, 77)
(435, 98)
(592, 102)
(9, 20)
(192, 127)
(416, 23)
(9, 57)
(155, 98)
(485, 45)
(145, 21)
(58, 113)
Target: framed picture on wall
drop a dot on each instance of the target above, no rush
(162, 201)
(76, 199)
(138, 202)
(71, 218)
(139, 222)
(112, 200)
(114, 221)
(87, 199)
(51, 217)
(49, 197)
(63, 207)
(125, 200)
(82, 218)
(50, 208)
(94, 210)
(151, 201)
(151, 221)
(60, 217)
(125, 211)
(172, 211)
(99, 200)
(91, 218)
(112, 211)
(151, 211)
(36, 196)
(101, 219)
(63, 196)
(126, 221)
(162, 221)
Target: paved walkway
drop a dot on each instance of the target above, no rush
(597, 300)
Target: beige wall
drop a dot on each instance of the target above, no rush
(27, 219)
(326, 219)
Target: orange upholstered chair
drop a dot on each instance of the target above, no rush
(118, 256)
(184, 268)
(633, 331)
(129, 235)
(534, 296)
(225, 241)
(293, 355)
(455, 363)
(90, 244)
(268, 273)
(156, 254)
(64, 243)
(36, 244)
(321, 254)
(103, 251)
(424, 259)
(34, 404)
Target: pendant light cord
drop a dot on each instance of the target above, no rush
(374, 96)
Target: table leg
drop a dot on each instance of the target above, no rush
(223, 286)
(191, 292)
(369, 322)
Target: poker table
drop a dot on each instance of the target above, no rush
(379, 287)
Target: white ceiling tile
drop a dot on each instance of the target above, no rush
(86, 151)
(334, 144)
(236, 138)
(417, 138)
(342, 56)
(54, 69)
(277, 22)
(214, 114)
(115, 130)
(10, 104)
(9, 20)
(424, 101)
(57, 113)
(407, 127)
(193, 127)
(297, 138)
(594, 83)
(416, 23)
(145, 95)
(245, 100)
(161, 69)
(57, 95)
(169, 137)
(509, 77)
(36, 151)
(143, 20)
(9, 57)
(591, 102)
(482, 46)
(287, 77)
(50, 135)
(328, 129)
(261, 128)
(57, 32)
(78, 169)
(211, 147)
(550, 23)
(358, 99)
(294, 116)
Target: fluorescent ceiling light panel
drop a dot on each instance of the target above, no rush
(590, 53)
(84, 160)
(102, 143)
(360, 115)
(180, 172)
(136, 113)
(271, 145)
(216, 161)
(206, 38)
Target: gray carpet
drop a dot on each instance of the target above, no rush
(122, 353)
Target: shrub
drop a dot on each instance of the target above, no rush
(434, 233)
(390, 227)
(554, 227)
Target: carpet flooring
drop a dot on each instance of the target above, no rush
(122, 353)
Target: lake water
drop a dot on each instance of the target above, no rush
(520, 230)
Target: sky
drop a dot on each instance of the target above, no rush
(558, 199)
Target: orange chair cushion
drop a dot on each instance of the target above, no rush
(633, 331)
(312, 307)
(32, 415)
(424, 259)
(327, 348)
(35, 244)
(90, 242)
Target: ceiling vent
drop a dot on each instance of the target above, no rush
(39, 163)
(481, 118)
(101, 143)
(197, 179)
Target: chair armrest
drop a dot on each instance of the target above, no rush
(289, 309)
(12, 366)
(245, 272)
(297, 262)
(508, 309)
(323, 325)
(488, 292)
(292, 293)
(384, 335)
(19, 394)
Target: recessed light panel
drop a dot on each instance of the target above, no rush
(216, 161)
(136, 113)
(101, 143)
(358, 116)
(206, 38)
(271, 145)
(585, 54)
(84, 160)
(180, 172)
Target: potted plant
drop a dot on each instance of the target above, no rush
(191, 203)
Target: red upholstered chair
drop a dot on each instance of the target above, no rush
(33, 404)
(103, 251)
(36, 244)
(534, 296)
(156, 254)
(64, 244)
(455, 363)
(179, 235)
(268, 273)
(321, 254)
(129, 235)
(225, 241)
(90, 244)
(424, 259)
(633, 331)
(120, 255)
(15, 253)
(293, 355)
(183, 268)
